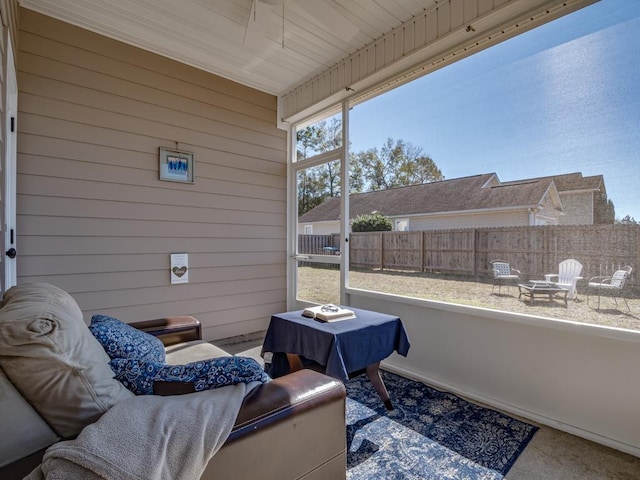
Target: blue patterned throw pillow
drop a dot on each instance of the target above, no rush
(120, 340)
(139, 377)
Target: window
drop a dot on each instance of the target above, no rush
(321, 136)
(318, 175)
(523, 152)
(401, 225)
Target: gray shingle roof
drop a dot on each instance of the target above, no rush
(574, 181)
(455, 195)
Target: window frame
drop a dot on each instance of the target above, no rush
(346, 291)
(294, 166)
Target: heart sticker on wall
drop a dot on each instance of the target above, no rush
(178, 272)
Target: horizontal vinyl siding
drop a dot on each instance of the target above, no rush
(439, 222)
(94, 219)
(503, 219)
(320, 228)
(578, 209)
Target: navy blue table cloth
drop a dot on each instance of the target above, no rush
(342, 347)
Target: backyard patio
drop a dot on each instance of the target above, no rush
(321, 285)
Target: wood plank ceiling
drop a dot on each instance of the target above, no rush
(210, 34)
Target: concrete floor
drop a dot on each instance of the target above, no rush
(553, 454)
(550, 455)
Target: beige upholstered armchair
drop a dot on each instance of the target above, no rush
(56, 384)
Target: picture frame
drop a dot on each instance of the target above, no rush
(176, 166)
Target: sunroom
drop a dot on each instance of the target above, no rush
(95, 91)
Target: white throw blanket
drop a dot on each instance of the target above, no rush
(148, 437)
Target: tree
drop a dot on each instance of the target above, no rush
(310, 190)
(307, 141)
(371, 169)
(371, 222)
(318, 138)
(603, 209)
(356, 177)
(396, 164)
(627, 220)
(315, 184)
(419, 168)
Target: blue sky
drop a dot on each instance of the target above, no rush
(562, 98)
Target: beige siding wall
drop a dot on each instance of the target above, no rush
(93, 217)
(320, 228)
(439, 222)
(501, 219)
(578, 209)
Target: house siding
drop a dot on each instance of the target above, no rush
(578, 208)
(320, 228)
(439, 222)
(546, 213)
(93, 217)
(475, 220)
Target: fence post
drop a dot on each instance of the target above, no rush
(474, 252)
(381, 251)
(422, 269)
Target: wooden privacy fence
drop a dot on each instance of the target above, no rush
(534, 251)
(318, 244)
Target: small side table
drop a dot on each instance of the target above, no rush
(343, 348)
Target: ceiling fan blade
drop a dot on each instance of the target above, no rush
(257, 24)
(331, 18)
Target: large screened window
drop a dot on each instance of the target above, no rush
(524, 153)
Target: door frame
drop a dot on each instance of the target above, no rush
(9, 265)
(341, 154)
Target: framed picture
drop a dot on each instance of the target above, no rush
(176, 166)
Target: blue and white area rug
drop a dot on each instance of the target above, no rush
(428, 435)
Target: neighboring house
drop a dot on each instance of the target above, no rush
(582, 198)
(468, 202)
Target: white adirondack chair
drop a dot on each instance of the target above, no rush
(567, 277)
